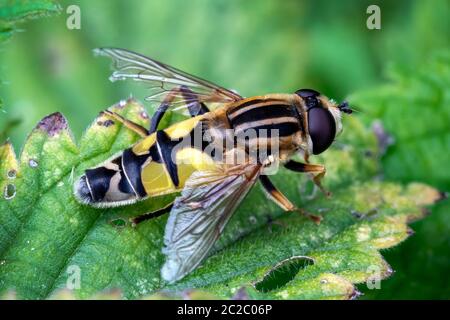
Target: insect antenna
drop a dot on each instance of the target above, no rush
(344, 107)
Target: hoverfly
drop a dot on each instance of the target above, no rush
(306, 121)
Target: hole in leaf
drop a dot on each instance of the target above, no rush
(282, 273)
(9, 191)
(11, 174)
(119, 223)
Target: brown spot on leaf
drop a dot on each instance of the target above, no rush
(53, 124)
(108, 123)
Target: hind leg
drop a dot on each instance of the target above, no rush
(194, 106)
(140, 130)
(150, 215)
(280, 199)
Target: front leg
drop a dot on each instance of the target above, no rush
(317, 170)
(280, 199)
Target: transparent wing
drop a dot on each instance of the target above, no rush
(200, 214)
(162, 79)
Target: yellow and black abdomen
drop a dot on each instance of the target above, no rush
(154, 166)
(115, 182)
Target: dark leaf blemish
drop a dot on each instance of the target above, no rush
(53, 124)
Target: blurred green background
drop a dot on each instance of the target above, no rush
(399, 75)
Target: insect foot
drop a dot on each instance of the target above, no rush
(314, 218)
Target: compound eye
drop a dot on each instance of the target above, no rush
(307, 93)
(309, 96)
(322, 129)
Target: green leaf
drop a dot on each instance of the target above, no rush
(413, 108)
(420, 93)
(14, 11)
(45, 232)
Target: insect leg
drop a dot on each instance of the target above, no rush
(275, 194)
(281, 200)
(140, 130)
(194, 106)
(150, 215)
(159, 113)
(317, 171)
